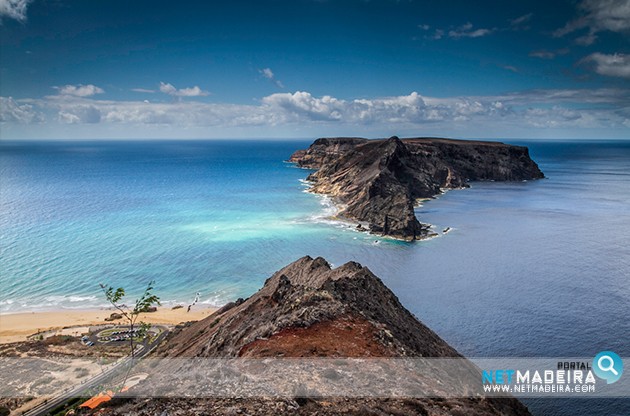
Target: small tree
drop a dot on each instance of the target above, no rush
(147, 300)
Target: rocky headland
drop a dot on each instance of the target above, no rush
(377, 182)
(310, 310)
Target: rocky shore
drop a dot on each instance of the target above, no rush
(310, 310)
(377, 182)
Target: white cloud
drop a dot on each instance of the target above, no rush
(598, 16)
(464, 31)
(586, 40)
(467, 31)
(303, 112)
(268, 73)
(85, 114)
(616, 65)
(195, 91)
(542, 54)
(168, 89)
(80, 90)
(545, 54)
(613, 15)
(612, 96)
(78, 110)
(14, 9)
(13, 112)
(143, 90)
(303, 106)
(535, 108)
(519, 21)
(438, 34)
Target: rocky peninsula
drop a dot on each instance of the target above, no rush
(378, 182)
(309, 309)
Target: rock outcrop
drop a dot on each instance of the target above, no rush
(309, 309)
(377, 182)
(305, 293)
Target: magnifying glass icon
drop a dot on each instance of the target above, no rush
(609, 367)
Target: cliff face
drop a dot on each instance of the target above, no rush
(309, 309)
(379, 181)
(325, 150)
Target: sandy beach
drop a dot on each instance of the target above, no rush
(18, 326)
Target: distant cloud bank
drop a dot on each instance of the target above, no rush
(534, 109)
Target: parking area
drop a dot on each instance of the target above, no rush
(118, 334)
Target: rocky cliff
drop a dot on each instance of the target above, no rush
(305, 293)
(309, 309)
(377, 182)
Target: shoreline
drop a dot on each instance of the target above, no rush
(355, 224)
(17, 327)
(358, 226)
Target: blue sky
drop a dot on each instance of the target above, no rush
(307, 68)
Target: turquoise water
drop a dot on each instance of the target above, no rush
(529, 269)
(213, 217)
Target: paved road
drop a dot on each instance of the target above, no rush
(44, 408)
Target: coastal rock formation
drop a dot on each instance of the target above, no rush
(309, 309)
(378, 182)
(302, 294)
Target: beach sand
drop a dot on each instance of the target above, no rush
(18, 326)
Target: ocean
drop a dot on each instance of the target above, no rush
(529, 269)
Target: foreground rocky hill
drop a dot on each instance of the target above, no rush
(309, 310)
(377, 182)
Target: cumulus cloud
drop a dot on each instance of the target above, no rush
(598, 16)
(80, 90)
(534, 108)
(89, 114)
(268, 74)
(467, 31)
(14, 9)
(616, 65)
(302, 105)
(13, 112)
(301, 110)
(195, 91)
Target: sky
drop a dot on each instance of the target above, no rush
(555, 69)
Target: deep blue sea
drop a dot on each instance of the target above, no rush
(536, 268)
